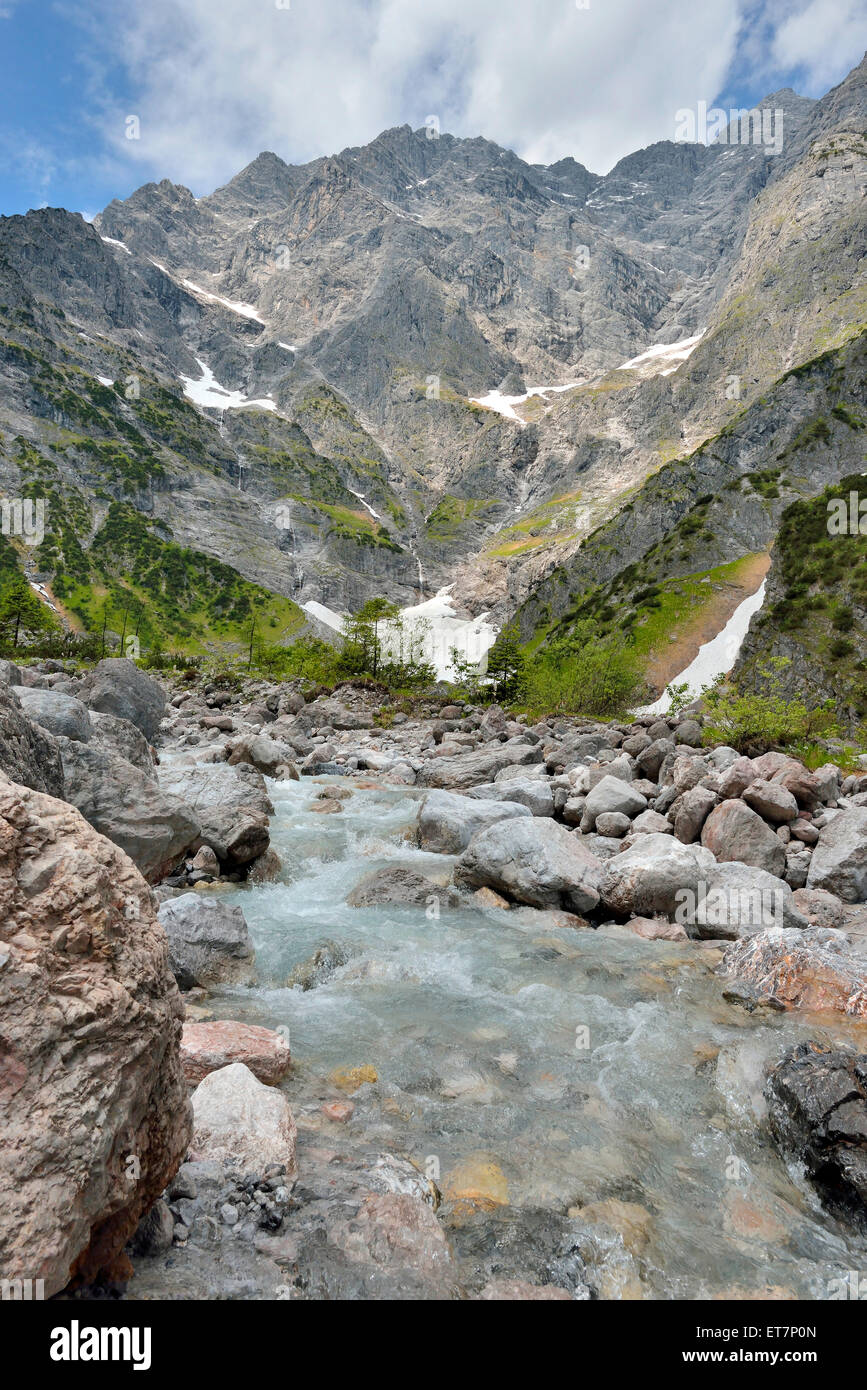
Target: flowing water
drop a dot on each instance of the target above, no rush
(587, 1066)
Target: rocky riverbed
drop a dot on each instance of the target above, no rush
(472, 1008)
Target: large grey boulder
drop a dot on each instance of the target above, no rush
(231, 803)
(839, 861)
(448, 821)
(734, 831)
(10, 674)
(117, 686)
(536, 795)
(736, 900)
(56, 713)
(535, 861)
(266, 755)
(154, 828)
(209, 941)
(204, 785)
(399, 887)
(120, 736)
(28, 754)
(612, 794)
(477, 765)
(652, 875)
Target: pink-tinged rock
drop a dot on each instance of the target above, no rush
(733, 831)
(205, 1047)
(338, 1110)
(96, 1119)
(822, 909)
(772, 801)
(656, 929)
(736, 778)
(812, 969)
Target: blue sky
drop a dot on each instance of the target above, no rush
(213, 82)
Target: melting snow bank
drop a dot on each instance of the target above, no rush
(430, 630)
(662, 358)
(715, 658)
(112, 241)
(209, 393)
(364, 502)
(245, 310)
(505, 405)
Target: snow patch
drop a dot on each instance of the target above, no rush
(432, 627)
(364, 502)
(208, 393)
(662, 354)
(105, 380)
(246, 311)
(716, 657)
(505, 405)
(113, 242)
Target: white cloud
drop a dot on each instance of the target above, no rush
(819, 37)
(213, 82)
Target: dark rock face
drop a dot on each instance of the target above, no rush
(28, 754)
(817, 1112)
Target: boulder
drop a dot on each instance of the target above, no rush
(319, 967)
(269, 757)
(655, 929)
(612, 794)
(206, 1047)
(205, 785)
(448, 821)
(691, 811)
(839, 862)
(772, 801)
(533, 793)
(399, 887)
(811, 969)
(117, 686)
(613, 824)
(209, 941)
(28, 754)
(154, 828)
(737, 900)
(122, 737)
(651, 823)
(95, 1114)
(56, 713)
(688, 731)
(535, 861)
(821, 908)
(231, 803)
(239, 1121)
(734, 831)
(647, 878)
(650, 759)
(477, 765)
(817, 1114)
(736, 777)
(10, 674)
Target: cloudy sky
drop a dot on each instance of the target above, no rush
(210, 83)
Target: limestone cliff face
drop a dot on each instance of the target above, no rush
(95, 1115)
(364, 299)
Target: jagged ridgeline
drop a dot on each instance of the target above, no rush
(577, 398)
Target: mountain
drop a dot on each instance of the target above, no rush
(425, 361)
